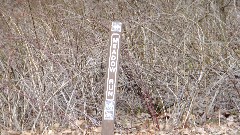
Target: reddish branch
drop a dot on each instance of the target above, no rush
(142, 91)
(149, 104)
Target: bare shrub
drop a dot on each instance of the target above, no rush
(179, 61)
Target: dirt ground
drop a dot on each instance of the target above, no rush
(223, 124)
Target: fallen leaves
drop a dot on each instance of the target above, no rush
(230, 124)
(11, 132)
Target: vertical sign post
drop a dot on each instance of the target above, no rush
(111, 79)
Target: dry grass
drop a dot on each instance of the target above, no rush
(184, 54)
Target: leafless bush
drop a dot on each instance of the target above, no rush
(184, 55)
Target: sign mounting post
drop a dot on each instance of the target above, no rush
(111, 79)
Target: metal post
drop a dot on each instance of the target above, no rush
(111, 79)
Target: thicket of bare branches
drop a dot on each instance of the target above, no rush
(180, 58)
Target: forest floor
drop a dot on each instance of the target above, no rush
(223, 124)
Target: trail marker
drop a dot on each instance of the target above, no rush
(111, 79)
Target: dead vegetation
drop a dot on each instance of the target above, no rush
(180, 65)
